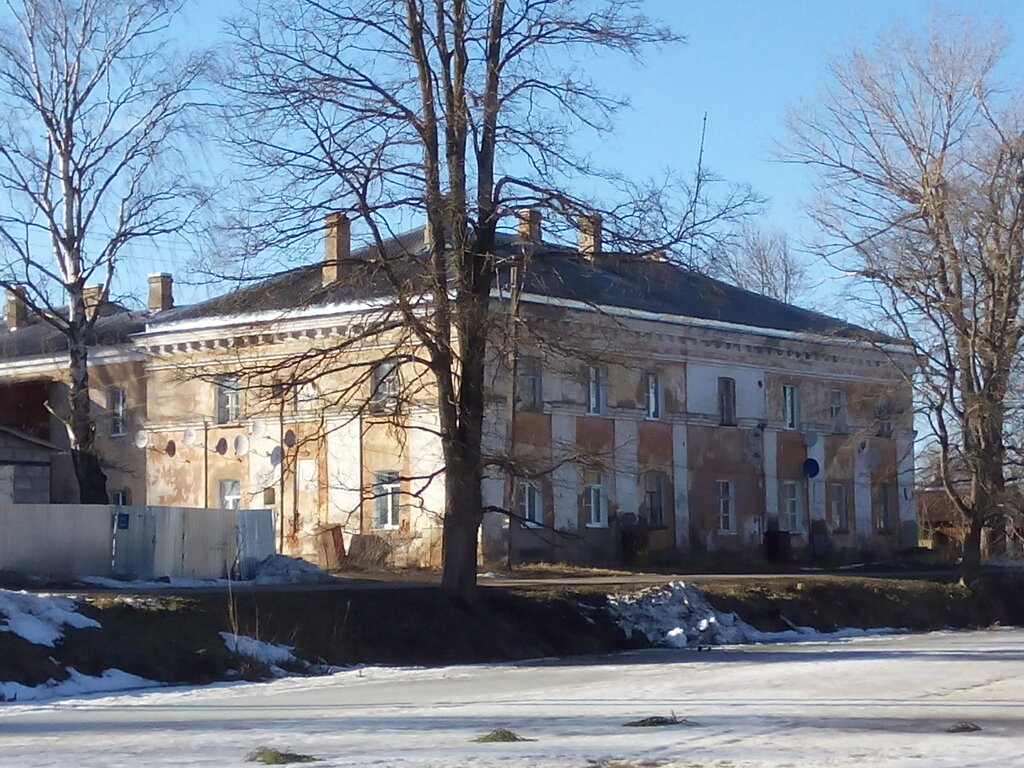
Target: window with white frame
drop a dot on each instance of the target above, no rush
(119, 497)
(528, 383)
(726, 507)
(654, 498)
(595, 389)
(307, 395)
(595, 503)
(384, 383)
(117, 406)
(530, 504)
(790, 407)
(727, 401)
(387, 493)
(838, 510)
(837, 409)
(790, 518)
(229, 399)
(883, 507)
(653, 390)
(230, 496)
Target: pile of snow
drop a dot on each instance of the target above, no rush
(679, 615)
(40, 619)
(281, 569)
(76, 684)
(271, 654)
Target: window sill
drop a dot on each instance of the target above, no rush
(386, 527)
(530, 526)
(723, 532)
(596, 525)
(118, 434)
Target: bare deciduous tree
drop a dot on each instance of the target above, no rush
(922, 190)
(761, 260)
(456, 112)
(90, 107)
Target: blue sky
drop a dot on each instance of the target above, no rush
(744, 64)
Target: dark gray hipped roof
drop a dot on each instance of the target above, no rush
(113, 327)
(557, 272)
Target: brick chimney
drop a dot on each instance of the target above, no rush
(590, 236)
(15, 309)
(337, 246)
(92, 296)
(529, 224)
(161, 292)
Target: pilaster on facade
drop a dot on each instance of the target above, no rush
(681, 486)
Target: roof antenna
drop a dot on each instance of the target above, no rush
(698, 181)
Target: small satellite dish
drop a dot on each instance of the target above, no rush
(810, 438)
(812, 468)
(276, 455)
(241, 445)
(258, 429)
(171, 448)
(289, 439)
(222, 446)
(141, 438)
(190, 436)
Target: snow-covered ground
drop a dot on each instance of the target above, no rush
(877, 701)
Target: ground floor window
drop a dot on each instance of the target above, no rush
(386, 499)
(654, 498)
(790, 518)
(531, 504)
(726, 507)
(230, 496)
(595, 504)
(838, 509)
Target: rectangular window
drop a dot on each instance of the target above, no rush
(384, 384)
(528, 384)
(386, 500)
(654, 490)
(531, 505)
(790, 407)
(837, 409)
(883, 417)
(230, 496)
(727, 401)
(595, 389)
(837, 507)
(119, 498)
(117, 406)
(726, 507)
(306, 396)
(653, 396)
(595, 503)
(229, 399)
(790, 518)
(883, 508)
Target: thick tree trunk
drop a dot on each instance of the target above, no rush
(970, 565)
(92, 482)
(462, 515)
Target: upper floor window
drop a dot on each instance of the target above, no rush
(838, 509)
(726, 507)
(386, 499)
(653, 396)
(595, 503)
(727, 401)
(306, 396)
(120, 497)
(790, 518)
(230, 496)
(595, 389)
(528, 383)
(229, 399)
(883, 508)
(883, 417)
(837, 408)
(654, 497)
(790, 407)
(384, 382)
(117, 406)
(531, 504)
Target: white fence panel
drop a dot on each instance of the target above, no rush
(70, 540)
(56, 541)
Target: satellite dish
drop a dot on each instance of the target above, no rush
(258, 429)
(289, 439)
(141, 438)
(276, 455)
(241, 445)
(222, 446)
(812, 467)
(171, 448)
(189, 437)
(810, 438)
